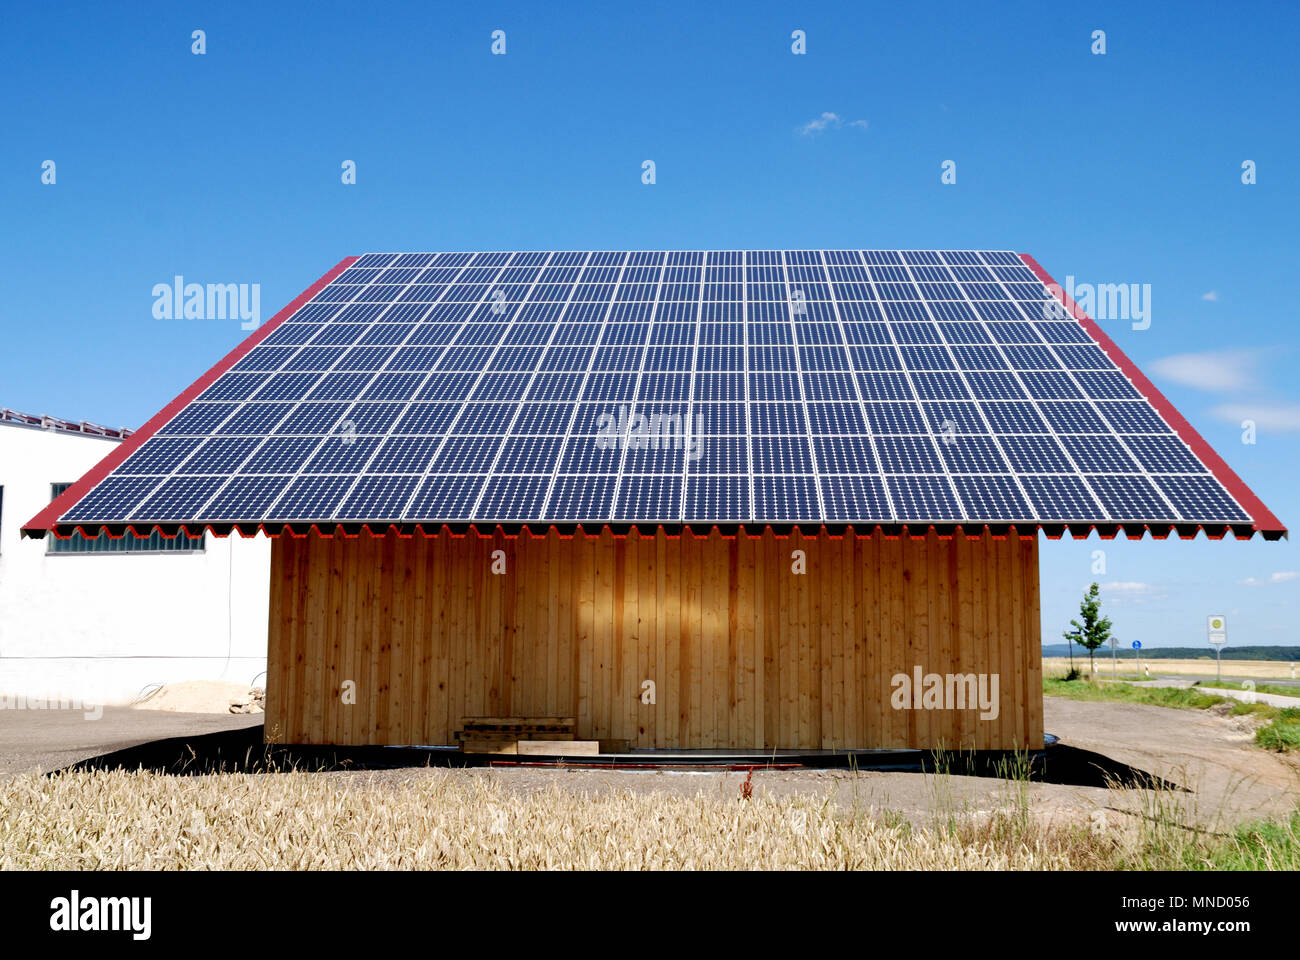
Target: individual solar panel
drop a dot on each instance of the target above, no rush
(846, 386)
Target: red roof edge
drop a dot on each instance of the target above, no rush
(46, 519)
(1264, 519)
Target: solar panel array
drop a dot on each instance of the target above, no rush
(735, 386)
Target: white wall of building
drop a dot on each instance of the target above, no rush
(101, 627)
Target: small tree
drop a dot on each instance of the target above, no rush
(1094, 630)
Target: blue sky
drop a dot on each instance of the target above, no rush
(1120, 168)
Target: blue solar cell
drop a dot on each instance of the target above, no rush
(1132, 417)
(783, 418)
(1035, 454)
(464, 454)
(431, 418)
(198, 419)
(177, 498)
(403, 454)
(790, 454)
(219, 455)
(110, 501)
(1014, 418)
(1163, 454)
(993, 385)
(851, 454)
(992, 498)
(590, 455)
(649, 497)
(158, 456)
(923, 497)
(1050, 386)
(951, 418)
(855, 499)
(885, 386)
(1107, 385)
(378, 498)
(314, 418)
(906, 455)
(578, 498)
(649, 459)
(1096, 453)
(1130, 496)
(400, 381)
(940, 386)
(967, 454)
(716, 499)
(787, 498)
(342, 453)
(242, 498)
(1066, 416)
(281, 455)
(528, 454)
(895, 417)
(1200, 497)
(513, 497)
(713, 454)
(1063, 497)
(445, 497)
(234, 386)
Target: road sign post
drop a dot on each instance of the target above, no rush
(1137, 656)
(1216, 628)
(1114, 658)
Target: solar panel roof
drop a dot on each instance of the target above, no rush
(891, 388)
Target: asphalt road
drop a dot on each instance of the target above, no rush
(44, 740)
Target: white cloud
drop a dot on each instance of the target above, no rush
(1131, 591)
(828, 121)
(1211, 296)
(1127, 586)
(1216, 370)
(1281, 418)
(1282, 576)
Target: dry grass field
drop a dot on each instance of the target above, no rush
(1257, 669)
(447, 820)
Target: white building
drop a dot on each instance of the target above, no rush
(101, 620)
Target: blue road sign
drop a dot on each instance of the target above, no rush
(1137, 644)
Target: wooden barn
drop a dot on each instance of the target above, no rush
(724, 501)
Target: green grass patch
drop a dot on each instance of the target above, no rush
(1266, 845)
(1283, 733)
(1184, 699)
(1278, 689)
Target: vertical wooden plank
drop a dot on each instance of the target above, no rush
(774, 634)
(282, 586)
(556, 683)
(742, 625)
(1033, 696)
(589, 655)
(606, 571)
(688, 693)
(646, 727)
(827, 624)
(627, 637)
(669, 685)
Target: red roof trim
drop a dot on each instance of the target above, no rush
(1265, 521)
(46, 519)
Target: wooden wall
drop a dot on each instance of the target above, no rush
(743, 651)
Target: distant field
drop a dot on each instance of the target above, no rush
(1263, 669)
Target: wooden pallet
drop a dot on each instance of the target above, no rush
(504, 729)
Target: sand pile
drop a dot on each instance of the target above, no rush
(204, 696)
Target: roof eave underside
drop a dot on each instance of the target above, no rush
(974, 530)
